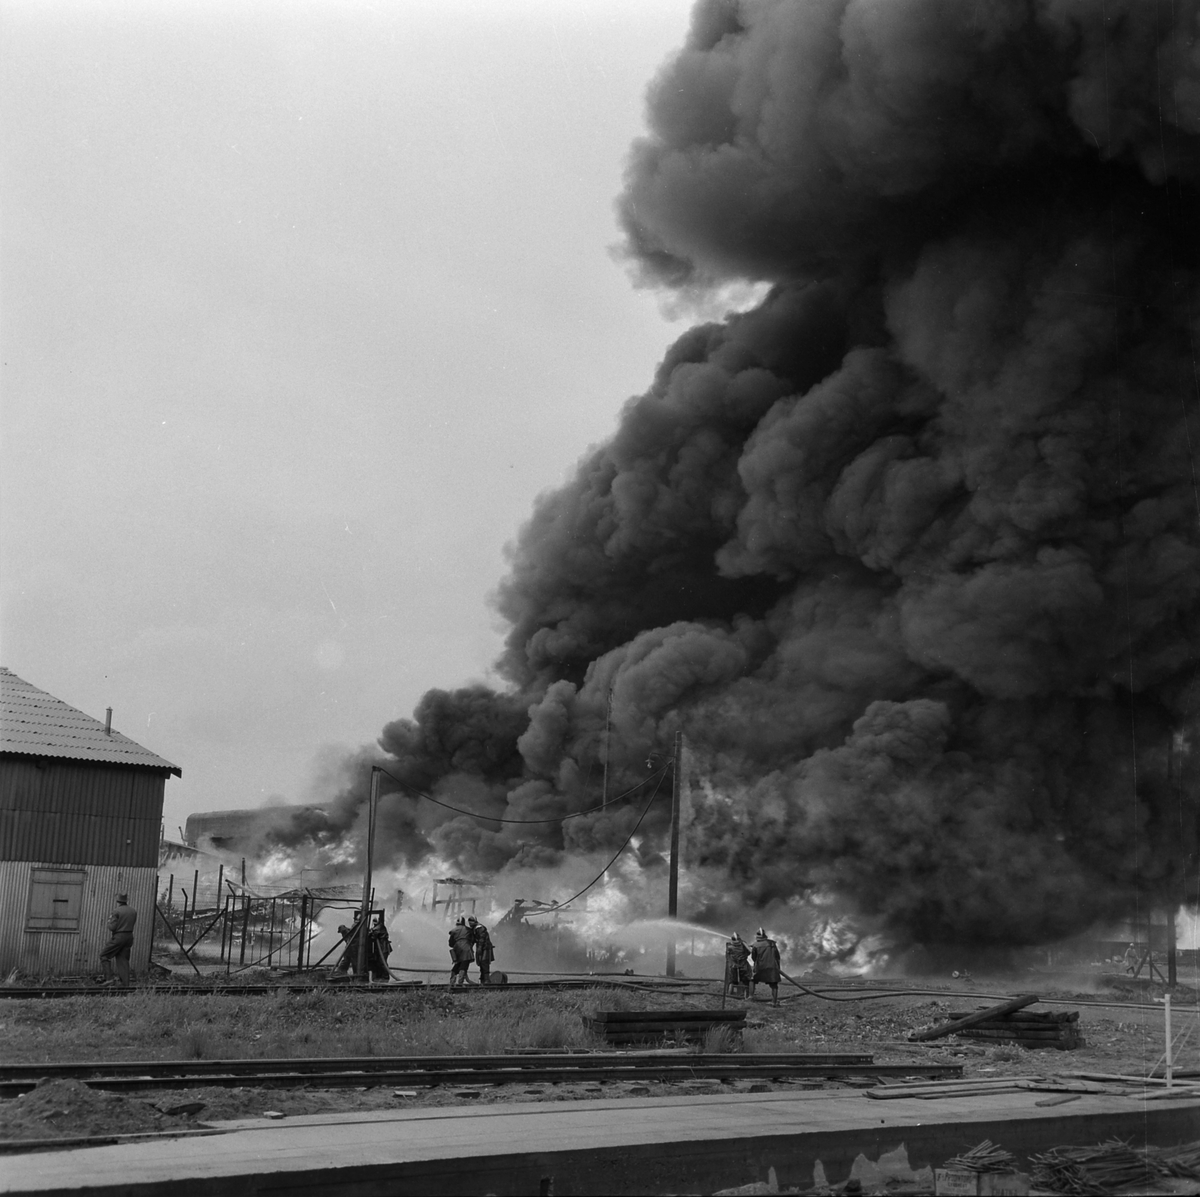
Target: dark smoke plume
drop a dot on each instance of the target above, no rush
(909, 552)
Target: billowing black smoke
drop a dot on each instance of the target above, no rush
(909, 552)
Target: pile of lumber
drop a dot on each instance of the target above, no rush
(651, 1026)
(1010, 1022)
(1056, 1029)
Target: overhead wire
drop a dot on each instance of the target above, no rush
(474, 814)
(645, 810)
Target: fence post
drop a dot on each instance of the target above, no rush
(245, 926)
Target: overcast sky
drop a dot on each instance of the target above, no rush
(302, 305)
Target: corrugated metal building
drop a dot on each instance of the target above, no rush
(80, 815)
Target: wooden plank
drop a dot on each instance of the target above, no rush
(1036, 1016)
(950, 1028)
(659, 1028)
(1014, 1033)
(622, 1016)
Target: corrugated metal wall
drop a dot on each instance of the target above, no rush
(54, 953)
(70, 811)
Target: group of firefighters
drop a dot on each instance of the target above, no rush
(750, 965)
(746, 965)
(470, 941)
(379, 948)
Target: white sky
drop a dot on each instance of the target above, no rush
(302, 304)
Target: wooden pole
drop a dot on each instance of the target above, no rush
(673, 875)
(195, 891)
(1172, 967)
(607, 741)
(372, 802)
(960, 1024)
(1170, 1072)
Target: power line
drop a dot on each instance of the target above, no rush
(496, 818)
(645, 811)
(611, 862)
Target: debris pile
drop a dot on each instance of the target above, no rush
(984, 1157)
(68, 1108)
(1102, 1169)
(1056, 1029)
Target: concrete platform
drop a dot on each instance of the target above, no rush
(646, 1145)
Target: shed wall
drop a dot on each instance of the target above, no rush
(57, 953)
(70, 811)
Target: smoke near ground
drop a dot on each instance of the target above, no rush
(908, 551)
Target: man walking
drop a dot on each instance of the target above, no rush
(765, 955)
(120, 929)
(484, 952)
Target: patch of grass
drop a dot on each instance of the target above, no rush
(720, 1040)
(158, 1026)
(552, 1028)
(195, 1042)
(766, 1040)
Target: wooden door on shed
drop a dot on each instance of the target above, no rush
(55, 899)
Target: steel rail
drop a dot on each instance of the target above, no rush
(501, 1071)
(82, 1069)
(259, 988)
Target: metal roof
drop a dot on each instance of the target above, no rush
(35, 723)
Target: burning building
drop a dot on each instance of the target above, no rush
(909, 550)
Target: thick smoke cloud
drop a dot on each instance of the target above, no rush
(910, 551)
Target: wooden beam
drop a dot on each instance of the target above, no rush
(951, 1028)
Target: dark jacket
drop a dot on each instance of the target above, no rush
(484, 952)
(766, 961)
(122, 921)
(460, 945)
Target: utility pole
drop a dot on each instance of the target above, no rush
(1172, 966)
(607, 739)
(360, 967)
(673, 882)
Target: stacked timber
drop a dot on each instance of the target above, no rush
(652, 1026)
(1026, 1028)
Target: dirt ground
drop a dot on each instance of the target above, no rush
(1118, 1040)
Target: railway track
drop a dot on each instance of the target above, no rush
(323, 986)
(428, 1071)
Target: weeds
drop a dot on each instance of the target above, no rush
(195, 1043)
(720, 1040)
(157, 1026)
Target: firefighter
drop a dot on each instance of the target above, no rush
(348, 961)
(485, 953)
(765, 955)
(737, 965)
(379, 948)
(120, 942)
(461, 952)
